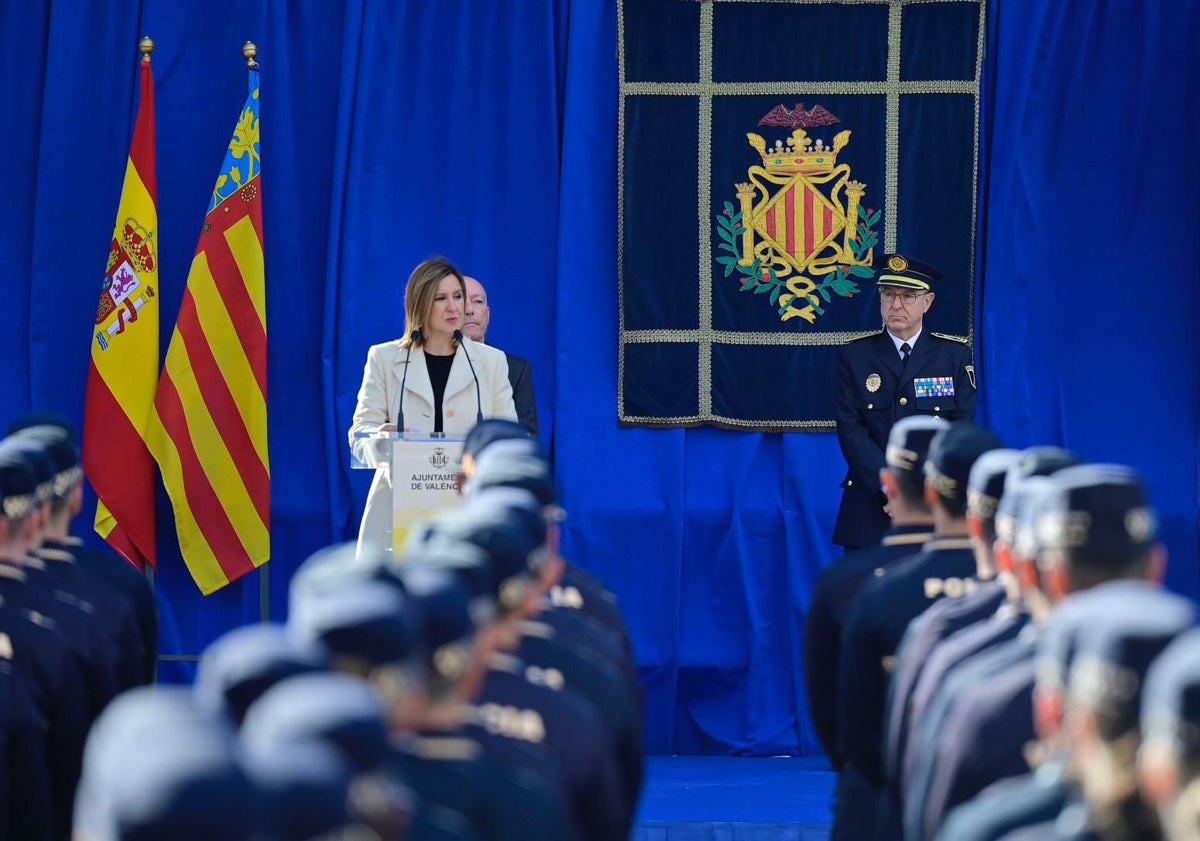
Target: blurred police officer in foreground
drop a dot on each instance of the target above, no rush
(112, 572)
(1103, 701)
(954, 663)
(984, 487)
(883, 609)
(1087, 525)
(901, 371)
(1169, 757)
(912, 526)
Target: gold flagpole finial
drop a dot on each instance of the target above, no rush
(146, 46)
(249, 50)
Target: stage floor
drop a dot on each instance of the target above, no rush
(717, 798)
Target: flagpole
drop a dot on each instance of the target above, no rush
(146, 48)
(250, 51)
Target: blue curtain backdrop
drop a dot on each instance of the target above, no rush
(487, 131)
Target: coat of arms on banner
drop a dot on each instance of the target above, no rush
(800, 232)
(123, 292)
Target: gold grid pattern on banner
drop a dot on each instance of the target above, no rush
(704, 90)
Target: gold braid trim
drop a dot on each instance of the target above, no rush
(703, 202)
(729, 337)
(793, 88)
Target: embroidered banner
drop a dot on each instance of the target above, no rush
(768, 148)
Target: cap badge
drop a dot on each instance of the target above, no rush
(897, 263)
(873, 383)
(1139, 524)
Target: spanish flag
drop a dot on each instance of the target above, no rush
(124, 367)
(208, 430)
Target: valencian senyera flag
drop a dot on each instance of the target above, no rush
(209, 428)
(124, 367)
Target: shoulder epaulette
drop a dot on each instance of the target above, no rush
(960, 339)
(874, 335)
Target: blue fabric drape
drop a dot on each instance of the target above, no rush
(487, 131)
(1090, 291)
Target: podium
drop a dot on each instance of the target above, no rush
(423, 472)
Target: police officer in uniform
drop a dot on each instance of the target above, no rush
(1116, 542)
(911, 527)
(1169, 758)
(1038, 796)
(60, 441)
(241, 665)
(500, 453)
(948, 616)
(883, 609)
(902, 370)
(1103, 700)
(509, 533)
(938, 674)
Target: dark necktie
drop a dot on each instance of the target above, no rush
(905, 350)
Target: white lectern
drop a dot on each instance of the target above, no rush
(423, 471)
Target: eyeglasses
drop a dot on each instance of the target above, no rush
(906, 298)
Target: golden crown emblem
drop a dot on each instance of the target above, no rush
(800, 153)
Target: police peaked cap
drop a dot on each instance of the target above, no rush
(58, 443)
(952, 454)
(1132, 622)
(1030, 504)
(985, 483)
(514, 463)
(18, 484)
(156, 766)
(369, 622)
(1035, 461)
(487, 432)
(1171, 699)
(39, 463)
(905, 272)
(1098, 512)
(908, 442)
(237, 668)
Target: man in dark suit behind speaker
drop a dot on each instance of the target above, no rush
(520, 371)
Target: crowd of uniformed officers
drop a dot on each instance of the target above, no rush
(1005, 664)
(475, 686)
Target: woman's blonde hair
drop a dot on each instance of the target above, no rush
(419, 294)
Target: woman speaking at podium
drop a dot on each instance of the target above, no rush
(433, 381)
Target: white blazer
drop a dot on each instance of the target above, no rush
(379, 399)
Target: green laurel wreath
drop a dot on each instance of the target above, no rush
(763, 281)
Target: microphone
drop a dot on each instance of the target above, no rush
(458, 337)
(413, 337)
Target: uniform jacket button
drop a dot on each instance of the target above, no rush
(903, 401)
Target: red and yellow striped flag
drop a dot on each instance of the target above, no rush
(209, 428)
(124, 367)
